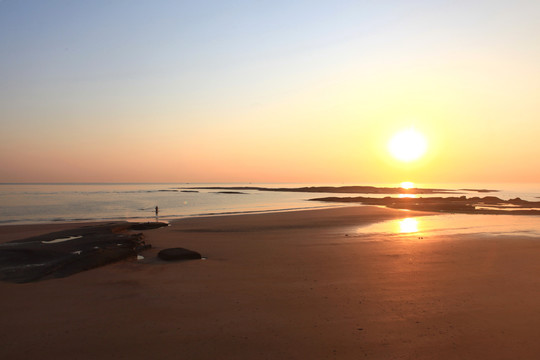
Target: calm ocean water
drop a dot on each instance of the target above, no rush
(45, 203)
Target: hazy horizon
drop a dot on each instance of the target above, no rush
(268, 92)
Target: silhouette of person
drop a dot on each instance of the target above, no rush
(157, 211)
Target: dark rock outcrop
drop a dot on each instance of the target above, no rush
(67, 252)
(175, 254)
(230, 192)
(148, 225)
(480, 190)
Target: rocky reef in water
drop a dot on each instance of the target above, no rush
(461, 204)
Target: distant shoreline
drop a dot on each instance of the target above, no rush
(344, 189)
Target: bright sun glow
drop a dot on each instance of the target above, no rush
(407, 145)
(407, 185)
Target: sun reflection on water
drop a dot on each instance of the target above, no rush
(409, 196)
(408, 225)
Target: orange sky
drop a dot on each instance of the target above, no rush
(268, 92)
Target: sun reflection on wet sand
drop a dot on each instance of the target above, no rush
(408, 225)
(448, 224)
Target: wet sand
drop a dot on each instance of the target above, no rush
(297, 285)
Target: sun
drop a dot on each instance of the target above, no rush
(407, 185)
(407, 145)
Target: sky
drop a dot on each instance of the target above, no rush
(268, 91)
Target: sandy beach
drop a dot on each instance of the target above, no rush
(290, 285)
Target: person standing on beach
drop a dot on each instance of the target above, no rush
(157, 210)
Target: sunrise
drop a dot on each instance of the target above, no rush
(269, 179)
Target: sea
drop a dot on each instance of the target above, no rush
(87, 202)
